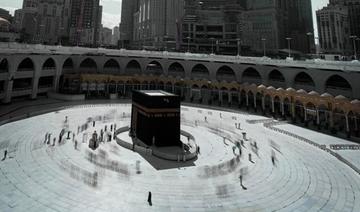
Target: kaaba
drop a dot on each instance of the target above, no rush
(155, 118)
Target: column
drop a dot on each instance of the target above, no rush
(282, 108)
(263, 103)
(292, 105)
(173, 88)
(35, 87)
(331, 117)
(255, 101)
(305, 114)
(230, 97)
(347, 123)
(272, 105)
(56, 83)
(247, 100)
(8, 91)
(220, 96)
(317, 116)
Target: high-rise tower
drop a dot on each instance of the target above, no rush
(85, 22)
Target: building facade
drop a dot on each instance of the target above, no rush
(334, 31)
(151, 24)
(252, 25)
(49, 18)
(128, 9)
(85, 22)
(115, 36)
(211, 26)
(105, 36)
(353, 9)
(309, 92)
(5, 14)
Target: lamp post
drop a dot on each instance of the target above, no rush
(212, 45)
(264, 45)
(354, 38)
(309, 35)
(165, 42)
(188, 49)
(289, 42)
(238, 40)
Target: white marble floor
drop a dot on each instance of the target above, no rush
(41, 177)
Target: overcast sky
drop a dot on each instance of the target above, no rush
(112, 9)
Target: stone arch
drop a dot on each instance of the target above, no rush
(49, 64)
(276, 75)
(133, 67)
(304, 81)
(276, 79)
(200, 71)
(88, 65)
(225, 73)
(176, 69)
(111, 66)
(251, 75)
(154, 68)
(68, 66)
(26, 64)
(4, 66)
(337, 85)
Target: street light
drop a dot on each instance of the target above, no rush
(212, 45)
(165, 42)
(354, 38)
(289, 41)
(309, 34)
(264, 45)
(188, 38)
(238, 46)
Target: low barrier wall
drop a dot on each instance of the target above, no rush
(64, 97)
(338, 156)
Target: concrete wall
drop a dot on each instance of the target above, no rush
(319, 76)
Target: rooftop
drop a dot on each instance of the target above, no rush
(16, 48)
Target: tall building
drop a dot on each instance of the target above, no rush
(26, 20)
(248, 23)
(333, 27)
(300, 24)
(115, 36)
(105, 36)
(5, 14)
(128, 9)
(277, 20)
(353, 7)
(85, 21)
(211, 26)
(150, 23)
(65, 22)
(49, 19)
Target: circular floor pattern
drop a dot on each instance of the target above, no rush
(37, 176)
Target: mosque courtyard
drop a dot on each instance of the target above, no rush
(307, 174)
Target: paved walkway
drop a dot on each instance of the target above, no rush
(40, 177)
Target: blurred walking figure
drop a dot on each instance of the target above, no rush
(273, 157)
(250, 158)
(46, 136)
(5, 154)
(149, 199)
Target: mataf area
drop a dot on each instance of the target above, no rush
(245, 163)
